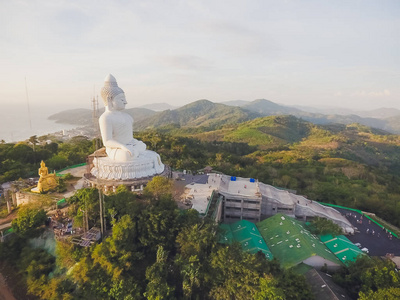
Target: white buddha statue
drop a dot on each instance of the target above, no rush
(127, 158)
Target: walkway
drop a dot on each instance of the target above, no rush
(3, 226)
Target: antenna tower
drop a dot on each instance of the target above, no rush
(96, 128)
(27, 102)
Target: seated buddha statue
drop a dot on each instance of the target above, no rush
(46, 181)
(116, 126)
(127, 157)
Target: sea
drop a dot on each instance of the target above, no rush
(18, 123)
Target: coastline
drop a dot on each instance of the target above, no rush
(16, 125)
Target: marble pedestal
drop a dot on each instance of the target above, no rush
(146, 164)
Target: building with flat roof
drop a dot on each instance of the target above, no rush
(249, 199)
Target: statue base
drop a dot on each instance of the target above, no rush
(147, 164)
(134, 185)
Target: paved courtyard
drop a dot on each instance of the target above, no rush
(376, 239)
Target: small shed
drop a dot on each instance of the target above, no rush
(61, 203)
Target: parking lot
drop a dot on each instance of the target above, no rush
(371, 236)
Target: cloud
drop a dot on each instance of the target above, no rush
(185, 62)
(364, 93)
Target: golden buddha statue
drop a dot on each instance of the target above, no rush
(46, 181)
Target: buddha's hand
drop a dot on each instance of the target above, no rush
(127, 150)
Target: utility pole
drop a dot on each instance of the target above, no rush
(101, 196)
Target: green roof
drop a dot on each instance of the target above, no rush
(342, 247)
(9, 230)
(61, 201)
(301, 268)
(290, 242)
(247, 234)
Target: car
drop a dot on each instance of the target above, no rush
(365, 250)
(358, 245)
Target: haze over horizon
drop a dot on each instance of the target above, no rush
(308, 53)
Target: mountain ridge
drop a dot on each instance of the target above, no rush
(205, 113)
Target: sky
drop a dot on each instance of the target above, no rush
(342, 53)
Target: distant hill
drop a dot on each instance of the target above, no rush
(204, 113)
(291, 139)
(83, 116)
(78, 116)
(236, 102)
(201, 113)
(158, 106)
(393, 124)
(265, 132)
(269, 108)
(380, 113)
(341, 119)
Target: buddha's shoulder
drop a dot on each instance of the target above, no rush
(113, 115)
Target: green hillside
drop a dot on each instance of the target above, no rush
(300, 140)
(270, 131)
(201, 113)
(266, 132)
(269, 108)
(351, 165)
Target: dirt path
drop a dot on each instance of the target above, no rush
(5, 292)
(9, 218)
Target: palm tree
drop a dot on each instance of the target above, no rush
(33, 140)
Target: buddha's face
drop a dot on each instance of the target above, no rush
(119, 102)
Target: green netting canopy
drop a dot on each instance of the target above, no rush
(247, 234)
(291, 243)
(342, 247)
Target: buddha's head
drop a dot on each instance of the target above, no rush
(113, 96)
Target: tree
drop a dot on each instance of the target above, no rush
(118, 252)
(33, 140)
(29, 218)
(157, 275)
(294, 285)
(67, 254)
(159, 187)
(269, 289)
(122, 202)
(233, 274)
(86, 202)
(325, 226)
(159, 225)
(387, 294)
(106, 271)
(368, 275)
(57, 162)
(22, 153)
(195, 246)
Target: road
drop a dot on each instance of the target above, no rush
(5, 292)
(6, 225)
